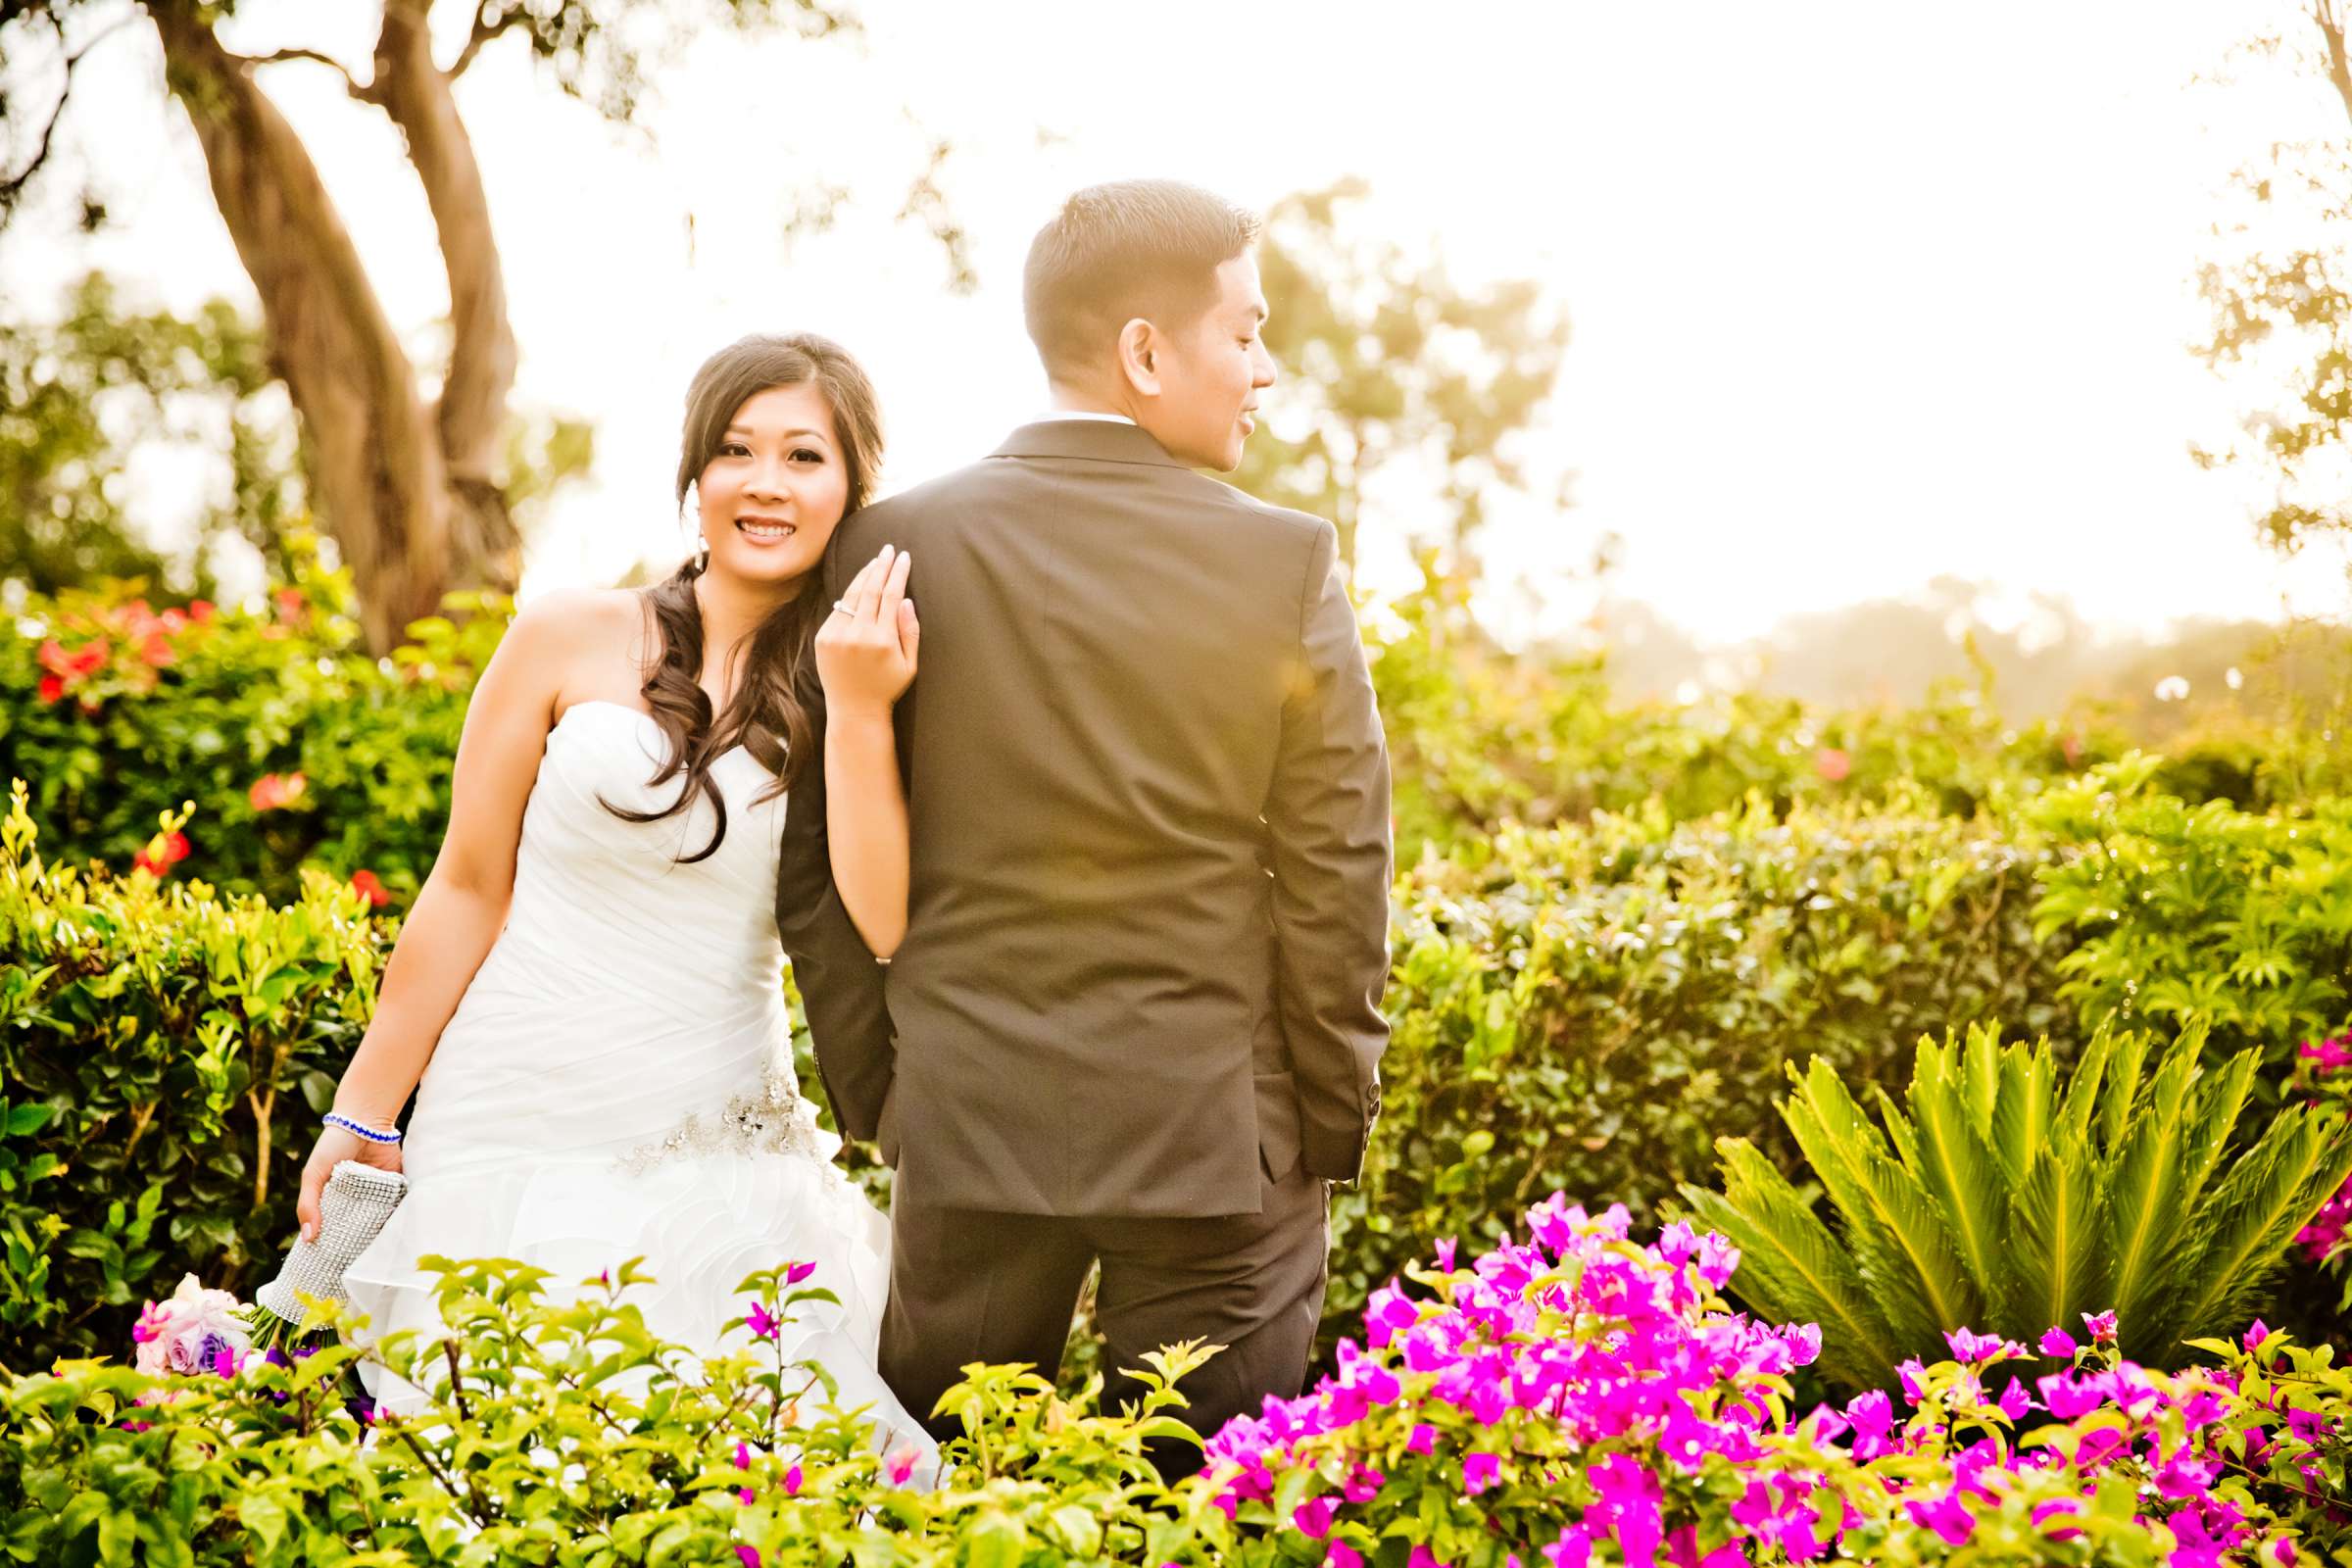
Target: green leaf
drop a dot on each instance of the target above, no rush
(2147, 1216)
(2024, 1108)
(2058, 1267)
(1955, 1166)
(994, 1539)
(1898, 1233)
(2299, 1162)
(264, 1517)
(1791, 1269)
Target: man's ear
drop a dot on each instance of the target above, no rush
(1139, 350)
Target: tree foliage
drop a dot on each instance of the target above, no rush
(1389, 366)
(78, 395)
(408, 478)
(2280, 314)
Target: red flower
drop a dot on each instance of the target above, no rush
(274, 790)
(87, 659)
(377, 894)
(290, 603)
(163, 852)
(52, 688)
(1833, 764)
(200, 611)
(156, 649)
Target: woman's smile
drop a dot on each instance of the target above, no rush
(763, 529)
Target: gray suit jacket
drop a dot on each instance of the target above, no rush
(1148, 797)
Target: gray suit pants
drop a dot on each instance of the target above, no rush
(967, 1285)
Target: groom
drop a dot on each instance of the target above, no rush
(1135, 1019)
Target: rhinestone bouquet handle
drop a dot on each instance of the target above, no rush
(352, 1213)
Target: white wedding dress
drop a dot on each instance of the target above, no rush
(618, 1082)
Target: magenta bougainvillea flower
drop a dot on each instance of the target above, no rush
(1582, 1398)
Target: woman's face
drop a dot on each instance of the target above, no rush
(772, 493)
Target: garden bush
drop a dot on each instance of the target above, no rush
(1576, 1399)
(1585, 1005)
(2238, 920)
(116, 711)
(1589, 1008)
(1596, 1004)
(295, 744)
(1483, 738)
(164, 1051)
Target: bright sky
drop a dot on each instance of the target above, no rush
(1861, 294)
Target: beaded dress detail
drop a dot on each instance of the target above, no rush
(768, 1120)
(616, 1081)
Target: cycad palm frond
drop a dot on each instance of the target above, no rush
(1951, 1110)
(2058, 1268)
(2271, 1192)
(1899, 1236)
(1979, 1064)
(2076, 1111)
(2125, 1060)
(2146, 1218)
(2135, 1195)
(2219, 1097)
(2025, 1113)
(1793, 1269)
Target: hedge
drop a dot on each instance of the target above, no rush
(1589, 1008)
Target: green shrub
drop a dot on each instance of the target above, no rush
(1581, 1399)
(560, 1431)
(1483, 737)
(2201, 914)
(1587, 1010)
(164, 1050)
(1994, 1200)
(114, 713)
(1589, 1007)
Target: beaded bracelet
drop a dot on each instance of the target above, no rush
(335, 1119)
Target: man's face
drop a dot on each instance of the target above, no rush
(1210, 374)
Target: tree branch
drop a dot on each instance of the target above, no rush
(2330, 24)
(13, 187)
(351, 83)
(483, 31)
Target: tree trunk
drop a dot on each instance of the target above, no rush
(2332, 37)
(406, 494)
(470, 416)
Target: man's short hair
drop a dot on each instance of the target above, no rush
(1136, 247)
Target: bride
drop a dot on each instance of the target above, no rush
(586, 997)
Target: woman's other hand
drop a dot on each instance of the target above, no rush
(866, 650)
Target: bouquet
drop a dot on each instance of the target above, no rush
(200, 1332)
(193, 1330)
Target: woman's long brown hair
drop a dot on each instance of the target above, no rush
(763, 717)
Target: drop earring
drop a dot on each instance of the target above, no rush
(687, 503)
